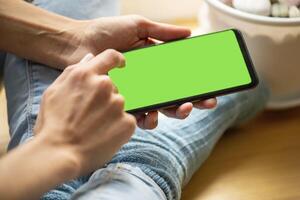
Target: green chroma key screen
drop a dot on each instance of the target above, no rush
(181, 69)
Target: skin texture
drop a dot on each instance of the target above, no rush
(92, 100)
(61, 42)
(125, 33)
(75, 141)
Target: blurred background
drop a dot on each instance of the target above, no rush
(258, 160)
(166, 10)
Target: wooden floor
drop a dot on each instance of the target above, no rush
(259, 161)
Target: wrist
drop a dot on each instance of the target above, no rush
(67, 165)
(37, 167)
(73, 45)
(58, 45)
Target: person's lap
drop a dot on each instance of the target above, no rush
(25, 81)
(169, 155)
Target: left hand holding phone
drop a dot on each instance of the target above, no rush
(150, 120)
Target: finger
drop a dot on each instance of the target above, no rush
(180, 112)
(206, 104)
(147, 121)
(184, 110)
(115, 90)
(150, 42)
(169, 112)
(87, 58)
(138, 116)
(140, 119)
(151, 120)
(144, 43)
(164, 32)
(106, 61)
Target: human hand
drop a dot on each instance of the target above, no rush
(121, 33)
(125, 33)
(82, 114)
(150, 120)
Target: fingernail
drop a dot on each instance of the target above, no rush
(186, 115)
(87, 58)
(211, 101)
(122, 64)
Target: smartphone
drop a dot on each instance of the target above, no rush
(186, 70)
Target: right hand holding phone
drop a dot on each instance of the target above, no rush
(150, 120)
(83, 115)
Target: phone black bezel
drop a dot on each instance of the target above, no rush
(250, 67)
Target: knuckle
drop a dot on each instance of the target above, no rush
(139, 20)
(70, 68)
(118, 102)
(105, 84)
(49, 92)
(115, 56)
(120, 56)
(79, 74)
(127, 125)
(122, 59)
(111, 52)
(116, 90)
(130, 122)
(49, 95)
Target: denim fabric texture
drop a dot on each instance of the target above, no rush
(119, 181)
(172, 152)
(2, 60)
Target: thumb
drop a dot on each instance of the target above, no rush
(87, 58)
(106, 61)
(163, 32)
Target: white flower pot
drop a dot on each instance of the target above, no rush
(162, 10)
(274, 44)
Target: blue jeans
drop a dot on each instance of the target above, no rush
(154, 164)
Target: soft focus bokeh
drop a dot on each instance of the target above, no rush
(162, 10)
(256, 161)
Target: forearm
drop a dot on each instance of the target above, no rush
(33, 169)
(35, 34)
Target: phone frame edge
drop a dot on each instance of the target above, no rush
(249, 64)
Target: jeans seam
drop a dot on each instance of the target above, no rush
(29, 74)
(136, 172)
(142, 176)
(112, 172)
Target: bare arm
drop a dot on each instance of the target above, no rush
(70, 142)
(57, 41)
(34, 33)
(34, 168)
